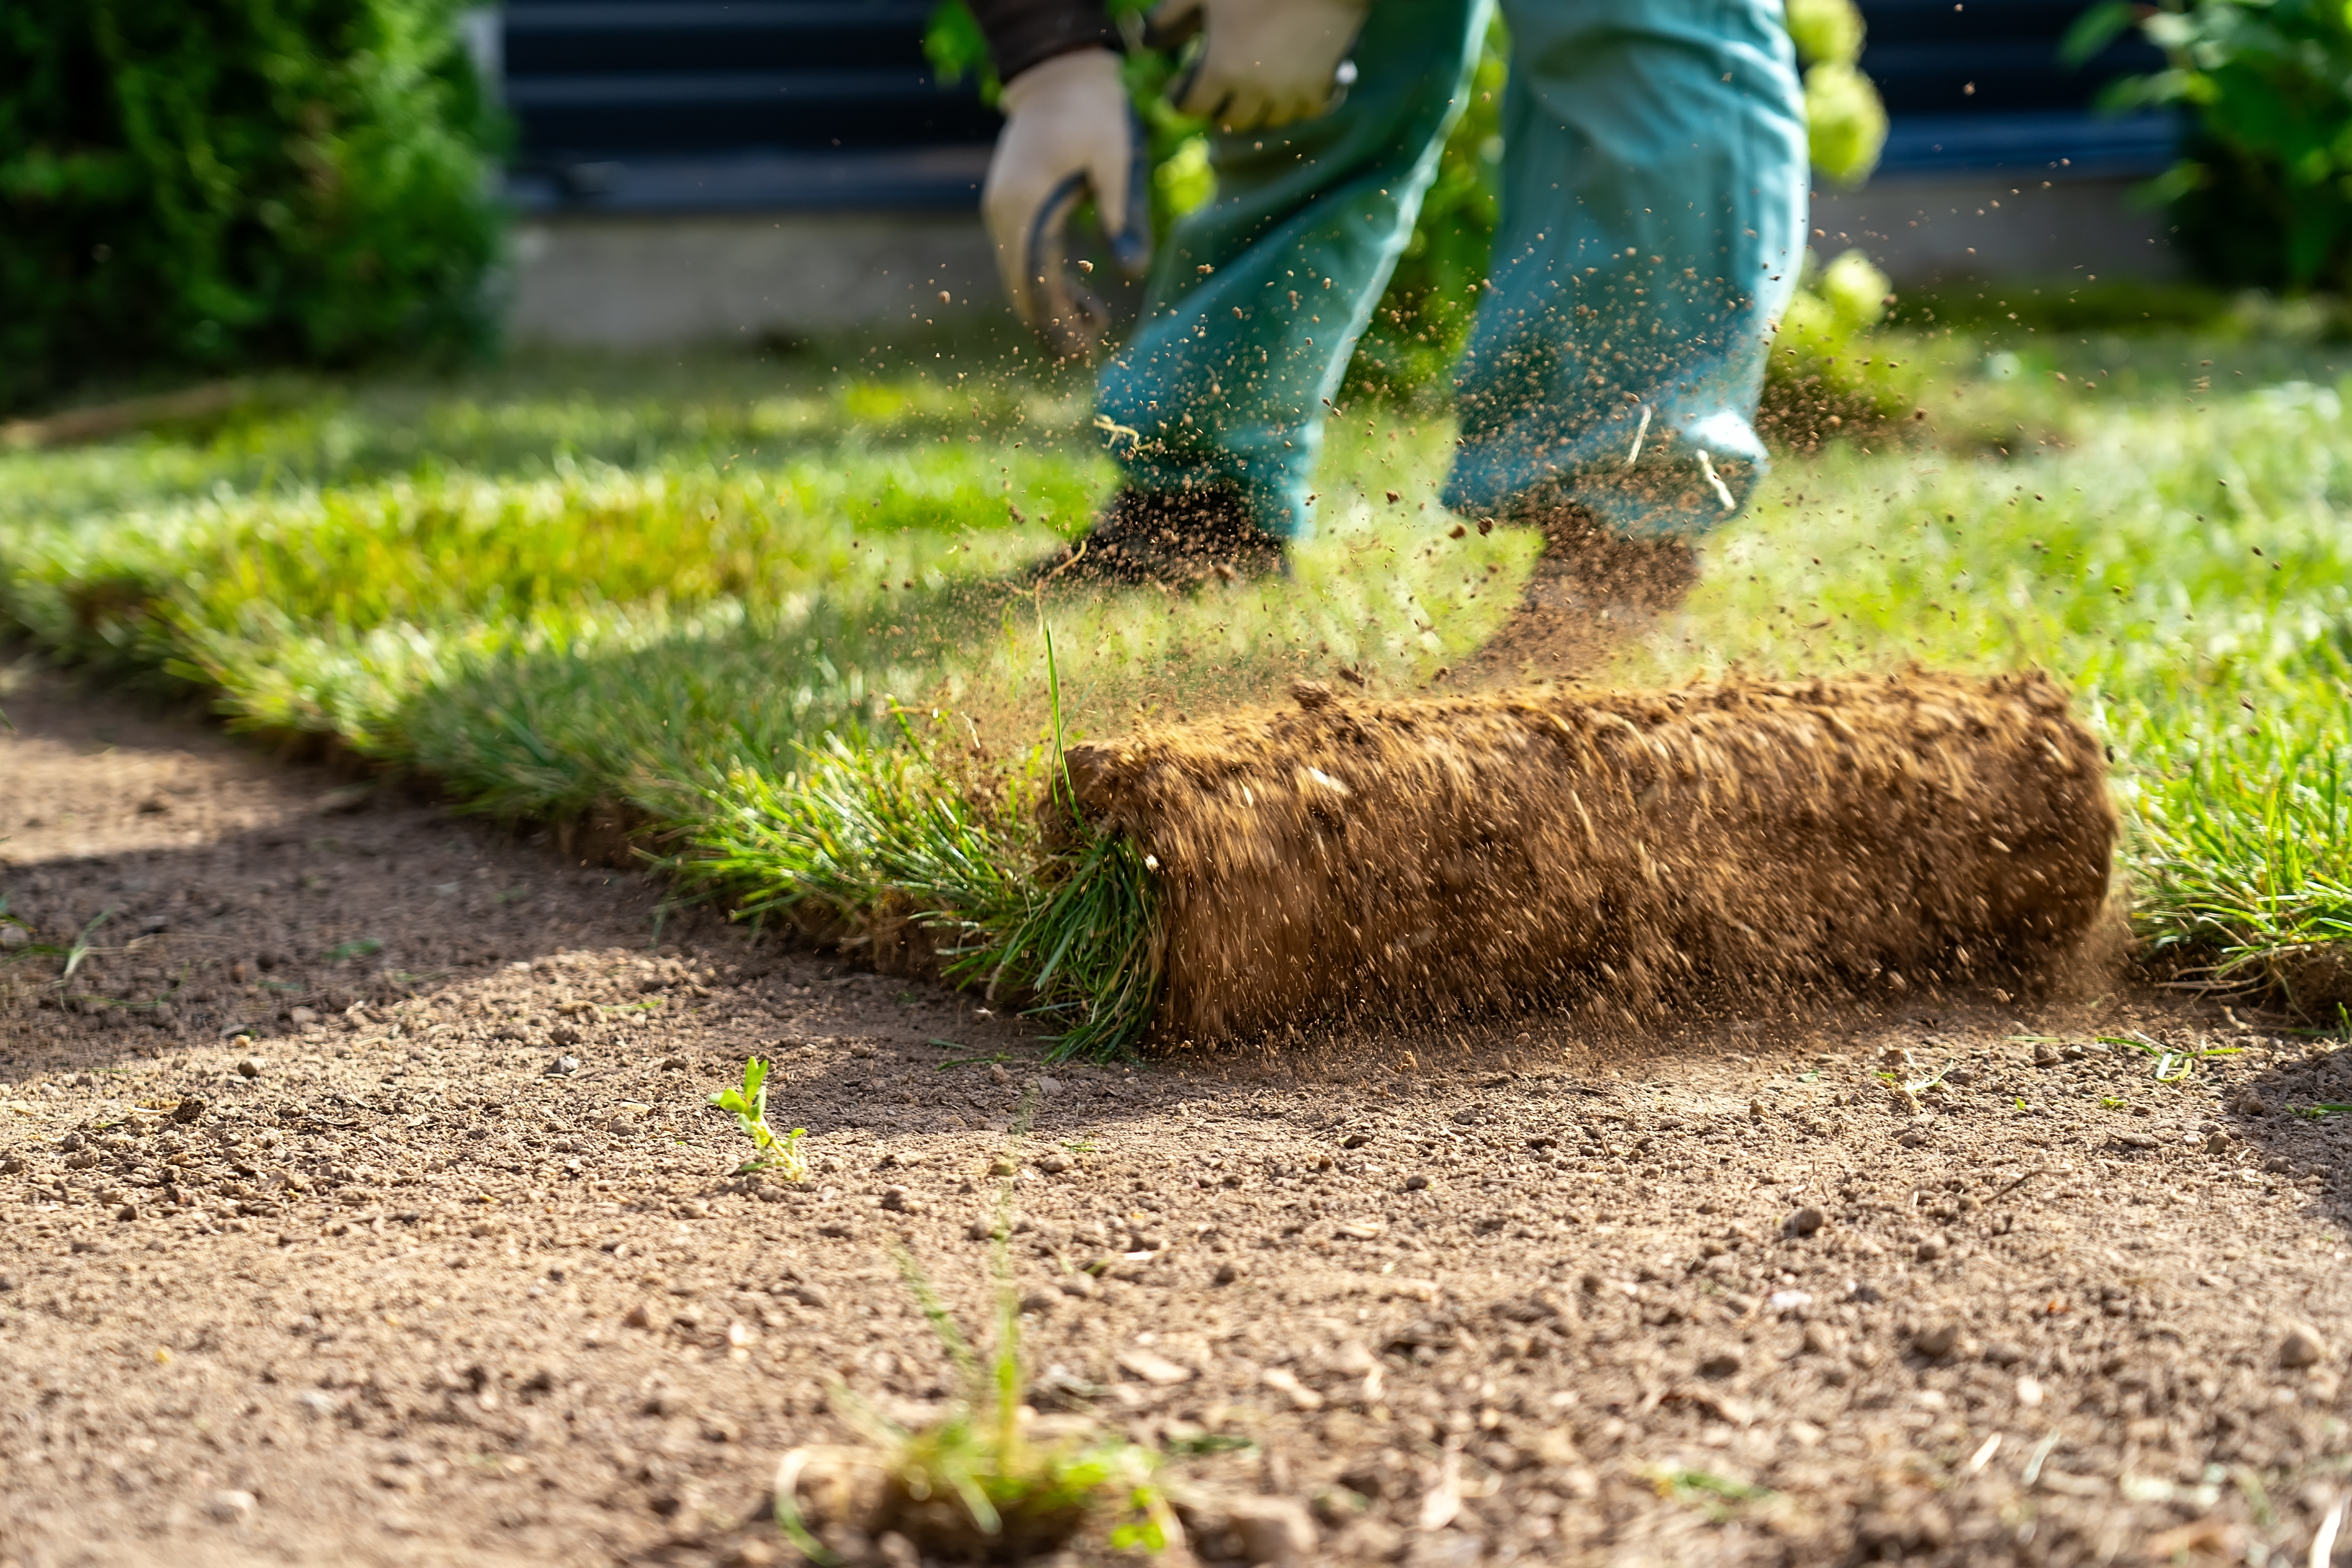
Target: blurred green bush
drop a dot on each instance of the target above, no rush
(2263, 191)
(204, 186)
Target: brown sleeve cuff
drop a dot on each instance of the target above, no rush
(1023, 33)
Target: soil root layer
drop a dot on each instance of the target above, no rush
(1439, 855)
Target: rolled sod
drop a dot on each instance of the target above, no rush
(1443, 855)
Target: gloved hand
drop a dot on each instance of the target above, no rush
(1068, 132)
(1263, 63)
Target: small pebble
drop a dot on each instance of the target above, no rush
(1273, 1531)
(562, 1067)
(1930, 1249)
(1722, 1363)
(250, 1067)
(1154, 1368)
(2302, 1347)
(1937, 1340)
(231, 1506)
(1416, 1183)
(1804, 1222)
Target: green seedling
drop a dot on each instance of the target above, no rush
(970, 1061)
(2324, 1109)
(972, 1485)
(359, 947)
(1923, 1085)
(81, 947)
(750, 1105)
(1718, 1496)
(2173, 1063)
(27, 949)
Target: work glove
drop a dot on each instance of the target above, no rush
(1262, 63)
(1069, 132)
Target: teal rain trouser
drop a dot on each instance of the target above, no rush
(1654, 181)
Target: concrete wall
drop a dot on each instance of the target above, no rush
(1923, 232)
(641, 281)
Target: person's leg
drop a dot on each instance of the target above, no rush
(1654, 190)
(1257, 298)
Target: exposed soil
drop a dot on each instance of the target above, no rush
(1511, 1293)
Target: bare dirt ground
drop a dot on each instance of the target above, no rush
(306, 1256)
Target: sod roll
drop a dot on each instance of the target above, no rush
(1434, 856)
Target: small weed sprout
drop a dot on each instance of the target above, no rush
(750, 1104)
(973, 1484)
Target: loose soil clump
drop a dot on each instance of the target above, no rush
(1449, 854)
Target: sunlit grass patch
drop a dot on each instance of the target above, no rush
(705, 593)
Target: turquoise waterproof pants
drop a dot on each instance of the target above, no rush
(1655, 183)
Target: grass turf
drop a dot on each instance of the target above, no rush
(709, 589)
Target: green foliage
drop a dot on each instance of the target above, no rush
(2264, 195)
(749, 1106)
(1845, 121)
(1825, 32)
(248, 182)
(1824, 371)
